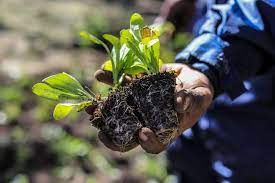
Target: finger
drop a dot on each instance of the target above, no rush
(182, 101)
(171, 67)
(127, 80)
(149, 141)
(104, 76)
(187, 101)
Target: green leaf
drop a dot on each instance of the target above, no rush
(107, 66)
(71, 99)
(135, 48)
(136, 21)
(136, 69)
(46, 91)
(124, 51)
(63, 110)
(125, 35)
(153, 42)
(65, 83)
(89, 37)
(112, 39)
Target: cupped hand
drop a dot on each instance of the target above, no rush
(194, 94)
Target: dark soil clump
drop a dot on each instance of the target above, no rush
(146, 102)
(154, 98)
(116, 119)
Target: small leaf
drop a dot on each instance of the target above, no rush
(153, 42)
(112, 39)
(46, 91)
(136, 20)
(71, 99)
(136, 69)
(64, 82)
(124, 51)
(63, 110)
(125, 35)
(89, 37)
(136, 23)
(107, 66)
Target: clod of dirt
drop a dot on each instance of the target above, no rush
(116, 119)
(146, 102)
(154, 98)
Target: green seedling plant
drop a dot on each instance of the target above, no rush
(135, 52)
(148, 101)
(144, 47)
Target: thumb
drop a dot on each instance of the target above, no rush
(187, 100)
(149, 142)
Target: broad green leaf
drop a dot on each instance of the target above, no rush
(46, 91)
(124, 51)
(136, 21)
(120, 80)
(129, 59)
(136, 69)
(107, 66)
(153, 42)
(125, 35)
(71, 99)
(154, 62)
(62, 110)
(112, 39)
(135, 48)
(65, 82)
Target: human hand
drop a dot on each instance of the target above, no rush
(194, 94)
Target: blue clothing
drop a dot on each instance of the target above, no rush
(234, 140)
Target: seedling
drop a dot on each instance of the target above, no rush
(146, 102)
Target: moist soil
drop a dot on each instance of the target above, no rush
(146, 102)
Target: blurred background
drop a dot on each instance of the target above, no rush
(39, 38)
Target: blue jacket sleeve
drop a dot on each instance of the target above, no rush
(235, 42)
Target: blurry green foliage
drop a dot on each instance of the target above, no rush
(20, 178)
(181, 40)
(153, 167)
(97, 25)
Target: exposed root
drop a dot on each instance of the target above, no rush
(147, 102)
